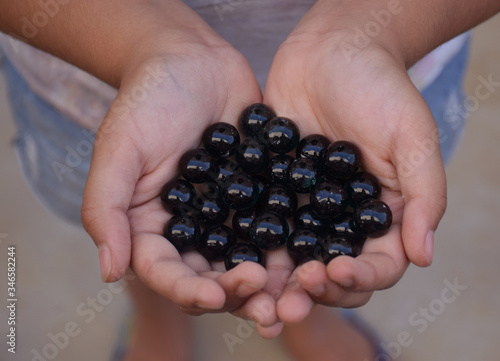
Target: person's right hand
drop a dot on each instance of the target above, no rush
(165, 101)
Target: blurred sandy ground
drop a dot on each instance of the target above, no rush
(418, 318)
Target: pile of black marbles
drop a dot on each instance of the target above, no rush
(238, 197)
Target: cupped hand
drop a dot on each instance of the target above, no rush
(366, 98)
(163, 105)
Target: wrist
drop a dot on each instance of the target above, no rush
(407, 30)
(355, 27)
(163, 29)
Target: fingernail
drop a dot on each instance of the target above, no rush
(429, 245)
(105, 261)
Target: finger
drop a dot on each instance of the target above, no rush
(114, 171)
(158, 264)
(423, 186)
(313, 278)
(242, 281)
(196, 262)
(239, 284)
(381, 264)
(295, 303)
(279, 267)
(270, 332)
(260, 308)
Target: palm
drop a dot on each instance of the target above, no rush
(137, 150)
(371, 102)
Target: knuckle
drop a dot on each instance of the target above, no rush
(88, 215)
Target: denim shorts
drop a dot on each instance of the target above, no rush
(54, 152)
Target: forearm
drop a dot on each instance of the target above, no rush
(103, 37)
(407, 27)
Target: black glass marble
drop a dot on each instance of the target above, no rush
(178, 196)
(373, 218)
(240, 191)
(279, 199)
(221, 139)
(241, 222)
(211, 208)
(215, 241)
(253, 119)
(224, 168)
(278, 167)
(313, 146)
(281, 135)
(341, 159)
(243, 252)
(345, 225)
(252, 156)
(303, 245)
(328, 200)
(305, 217)
(197, 165)
(334, 245)
(349, 209)
(363, 186)
(262, 182)
(209, 187)
(183, 231)
(302, 175)
(269, 231)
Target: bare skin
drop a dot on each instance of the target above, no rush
(159, 328)
(324, 335)
(364, 96)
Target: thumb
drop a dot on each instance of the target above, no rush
(423, 186)
(113, 174)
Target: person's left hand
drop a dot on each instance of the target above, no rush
(367, 99)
